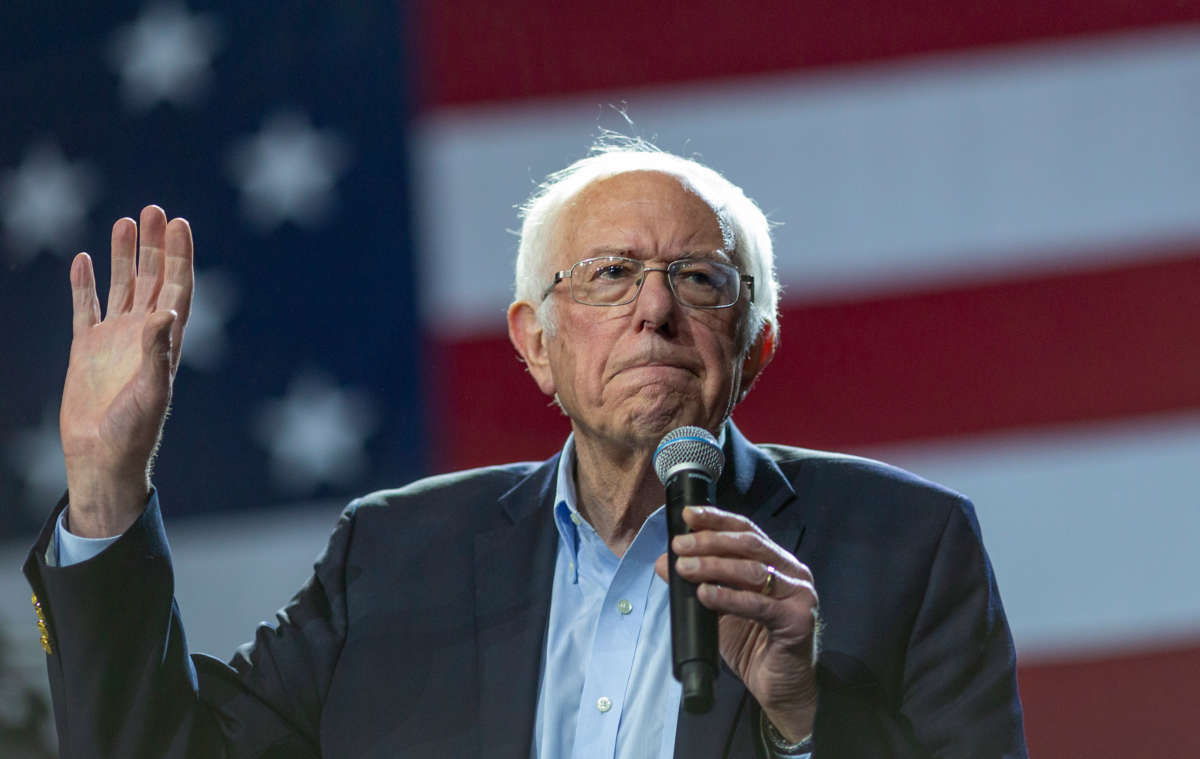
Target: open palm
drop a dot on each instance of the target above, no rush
(122, 367)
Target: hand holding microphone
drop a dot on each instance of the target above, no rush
(689, 462)
(726, 573)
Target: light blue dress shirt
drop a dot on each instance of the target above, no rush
(606, 688)
(71, 549)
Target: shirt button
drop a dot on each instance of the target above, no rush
(604, 703)
(575, 518)
(624, 606)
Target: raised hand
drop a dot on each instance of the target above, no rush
(122, 368)
(767, 604)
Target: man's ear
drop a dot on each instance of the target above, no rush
(528, 336)
(758, 355)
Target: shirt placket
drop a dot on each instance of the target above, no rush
(610, 662)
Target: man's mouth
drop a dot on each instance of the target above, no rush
(656, 367)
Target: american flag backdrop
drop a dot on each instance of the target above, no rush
(280, 131)
(988, 236)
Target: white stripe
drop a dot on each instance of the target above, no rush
(884, 176)
(1092, 530)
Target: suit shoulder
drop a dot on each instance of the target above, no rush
(485, 484)
(856, 479)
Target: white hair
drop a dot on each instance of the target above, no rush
(744, 227)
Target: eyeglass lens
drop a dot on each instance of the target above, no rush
(696, 282)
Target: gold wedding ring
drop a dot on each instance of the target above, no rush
(770, 583)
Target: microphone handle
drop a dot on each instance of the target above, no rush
(693, 626)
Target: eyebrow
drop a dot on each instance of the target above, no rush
(622, 252)
(610, 251)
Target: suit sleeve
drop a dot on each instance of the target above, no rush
(960, 689)
(124, 685)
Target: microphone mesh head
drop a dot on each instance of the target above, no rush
(690, 445)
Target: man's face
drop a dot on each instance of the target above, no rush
(629, 374)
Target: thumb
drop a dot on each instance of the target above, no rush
(660, 567)
(156, 341)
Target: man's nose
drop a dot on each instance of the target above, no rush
(655, 302)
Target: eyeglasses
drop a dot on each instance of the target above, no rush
(615, 281)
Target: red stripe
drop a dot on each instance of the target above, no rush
(473, 52)
(1079, 346)
(1075, 347)
(1137, 705)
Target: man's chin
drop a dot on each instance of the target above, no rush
(650, 424)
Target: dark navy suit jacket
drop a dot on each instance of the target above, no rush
(420, 633)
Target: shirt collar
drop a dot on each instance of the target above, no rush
(566, 512)
(566, 503)
(567, 518)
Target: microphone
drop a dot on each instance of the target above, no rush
(689, 462)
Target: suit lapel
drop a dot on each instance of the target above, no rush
(757, 488)
(514, 571)
(753, 485)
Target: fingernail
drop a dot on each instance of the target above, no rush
(684, 542)
(695, 510)
(687, 564)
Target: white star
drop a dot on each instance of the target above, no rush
(204, 342)
(316, 434)
(164, 55)
(35, 454)
(44, 202)
(287, 171)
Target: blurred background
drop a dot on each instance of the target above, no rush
(988, 235)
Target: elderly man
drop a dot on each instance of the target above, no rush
(514, 611)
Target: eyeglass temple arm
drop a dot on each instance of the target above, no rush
(559, 276)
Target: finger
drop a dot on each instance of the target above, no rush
(743, 574)
(713, 518)
(151, 246)
(753, 546)
(124, 266)
(794, 615)
(750, 545)
(178, 281)
(84, 301)
(660, 567)
(723, 533)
